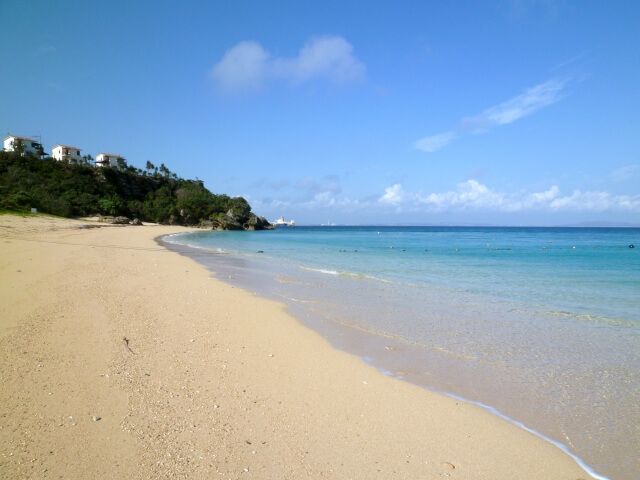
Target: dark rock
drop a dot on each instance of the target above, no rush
(230, 221)
(136, 221)
(258, 223)
(266, 224)
(114, 220)
(206, 224)
(226, 222)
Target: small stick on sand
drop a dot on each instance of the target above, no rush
(126, 344)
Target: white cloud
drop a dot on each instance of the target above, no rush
(242, 67)
(330, 57)
(248, 66)
(624, 174)
(541, 198)
(394, 195)
(469, 199)
(472, 195)
(319, 202)
(434, 142)
(469, 194)
(525, 104)
(597, 202)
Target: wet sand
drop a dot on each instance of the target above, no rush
(122, 359)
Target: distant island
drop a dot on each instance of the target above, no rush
(155, 194)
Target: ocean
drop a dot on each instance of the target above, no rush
(538, 325)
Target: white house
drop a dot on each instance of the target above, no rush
(65, 153)
(29, 145)
(107, 159)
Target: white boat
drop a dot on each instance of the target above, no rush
(281, 222)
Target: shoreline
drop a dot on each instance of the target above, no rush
(364, 344)
(211, 379)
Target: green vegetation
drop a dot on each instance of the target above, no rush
(153, 195)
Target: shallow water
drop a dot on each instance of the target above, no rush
(540, 324)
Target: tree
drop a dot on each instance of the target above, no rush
(122, 163)
(150, 166)
(67, 189)
(18, 146)
(109, 206)
(240, 207)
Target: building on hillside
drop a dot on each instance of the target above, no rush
(65, 153)
(13, 143)
(107, 160)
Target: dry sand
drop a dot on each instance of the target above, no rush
(212, 381)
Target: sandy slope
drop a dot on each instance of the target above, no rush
(212, 382)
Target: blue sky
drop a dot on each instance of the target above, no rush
(515, 112)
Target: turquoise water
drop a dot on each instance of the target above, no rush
(541, 325)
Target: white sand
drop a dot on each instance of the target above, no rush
(214, 383)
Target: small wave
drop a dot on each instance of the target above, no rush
(320, 270)
(212, 251)
(361, 276)
(364, 276)
(560, 445)
(174, 239)
(296, 300)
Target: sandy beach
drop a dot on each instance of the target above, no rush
(122, 359)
